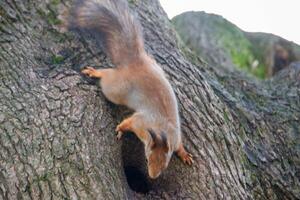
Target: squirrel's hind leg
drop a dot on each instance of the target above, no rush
(91, 72)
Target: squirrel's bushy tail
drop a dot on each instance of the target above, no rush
(120, 32)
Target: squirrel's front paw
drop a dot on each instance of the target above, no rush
(187, 159)
(119, 132)
(119, 135)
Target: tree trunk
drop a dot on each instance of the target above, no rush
(57, 138)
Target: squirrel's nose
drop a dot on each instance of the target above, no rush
(153, 174)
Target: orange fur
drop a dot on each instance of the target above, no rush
(137, 82)
(155, 95)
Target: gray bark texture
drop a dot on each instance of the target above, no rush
(57, 138)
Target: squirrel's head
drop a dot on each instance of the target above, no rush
(158, 154)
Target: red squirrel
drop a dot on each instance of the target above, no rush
(137, 82)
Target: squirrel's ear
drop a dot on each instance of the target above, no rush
(164, 141)
(158, 141)
(153, 137)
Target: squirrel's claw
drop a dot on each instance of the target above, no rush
(189, 159)
(119, 135)
(118, 129)
(119, 132)
(186, 157)
(88, 71)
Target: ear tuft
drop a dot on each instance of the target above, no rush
(164, 141)
(154, 137)
(159, 141)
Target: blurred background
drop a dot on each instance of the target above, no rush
(259, 37)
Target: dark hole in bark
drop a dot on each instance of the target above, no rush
(137, 180)
(134, 162)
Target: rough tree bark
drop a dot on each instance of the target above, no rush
(57, 137)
